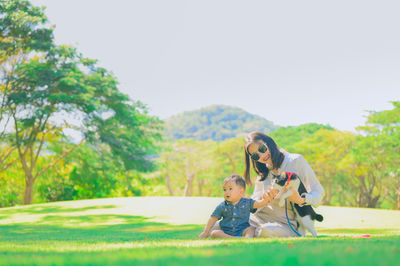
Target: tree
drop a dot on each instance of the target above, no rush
(59, 89)
(184, 163)
(94, 172)
(372, 164)
(196, 159)
(64, 84)
(365, 167)
(288, 137)
(22, 32)
(323, 150)
(383, 130)
(187, 164)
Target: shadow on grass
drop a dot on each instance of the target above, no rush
(53, 209)
(95, 228)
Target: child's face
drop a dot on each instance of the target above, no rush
(232, 192)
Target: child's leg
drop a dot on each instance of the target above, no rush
(220, 234)
(249, 231)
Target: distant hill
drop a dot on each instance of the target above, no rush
(217, 122)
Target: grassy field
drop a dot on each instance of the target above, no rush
(163, 230)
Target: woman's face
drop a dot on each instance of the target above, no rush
(263, 157)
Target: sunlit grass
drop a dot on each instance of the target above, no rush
(135, 231)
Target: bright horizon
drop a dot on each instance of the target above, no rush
(290, 62)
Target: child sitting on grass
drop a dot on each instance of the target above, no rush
(235, 211)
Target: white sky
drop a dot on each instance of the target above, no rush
(292, 62)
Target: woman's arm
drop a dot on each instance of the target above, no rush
(296, 197)
(310, 181)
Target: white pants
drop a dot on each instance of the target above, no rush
(274, 230)
(267, 229)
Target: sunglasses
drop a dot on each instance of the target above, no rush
(262, 148)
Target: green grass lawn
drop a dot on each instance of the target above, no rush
(163, 230)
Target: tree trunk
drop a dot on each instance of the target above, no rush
(200, 184)
(29, 180)
(232, 163)
(398, 199)
(366, 199)
(167, 180)
(171, 192)
(373, 201)
(328, 196)
(28, 195)
(189, 185)
(359, 201)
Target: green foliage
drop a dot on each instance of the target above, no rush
(11, 184)
(23, 32)
(355, 170)
(216, 122)
(324, 150)
(94, 172)
(377, 156)
(92, 181)
(47, 89)
(197, 168)
(90, 172)
(56, 186)
(21, 28)
(288, 137)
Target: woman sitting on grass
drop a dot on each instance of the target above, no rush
(269, 161)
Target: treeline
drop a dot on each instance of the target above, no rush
(67, 132)
(360, 170)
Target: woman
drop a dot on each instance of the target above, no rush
(267, 160)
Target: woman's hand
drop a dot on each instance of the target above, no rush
(296, 198)
(270, 193)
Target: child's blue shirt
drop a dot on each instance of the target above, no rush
(235, 218)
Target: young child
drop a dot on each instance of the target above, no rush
(234, 211)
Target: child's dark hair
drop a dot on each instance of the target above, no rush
(237, 179)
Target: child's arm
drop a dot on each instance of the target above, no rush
(208, 227)
(267, 197)
(260, 203)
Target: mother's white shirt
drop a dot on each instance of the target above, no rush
(292, 163)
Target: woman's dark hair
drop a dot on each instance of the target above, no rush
(260, 168)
